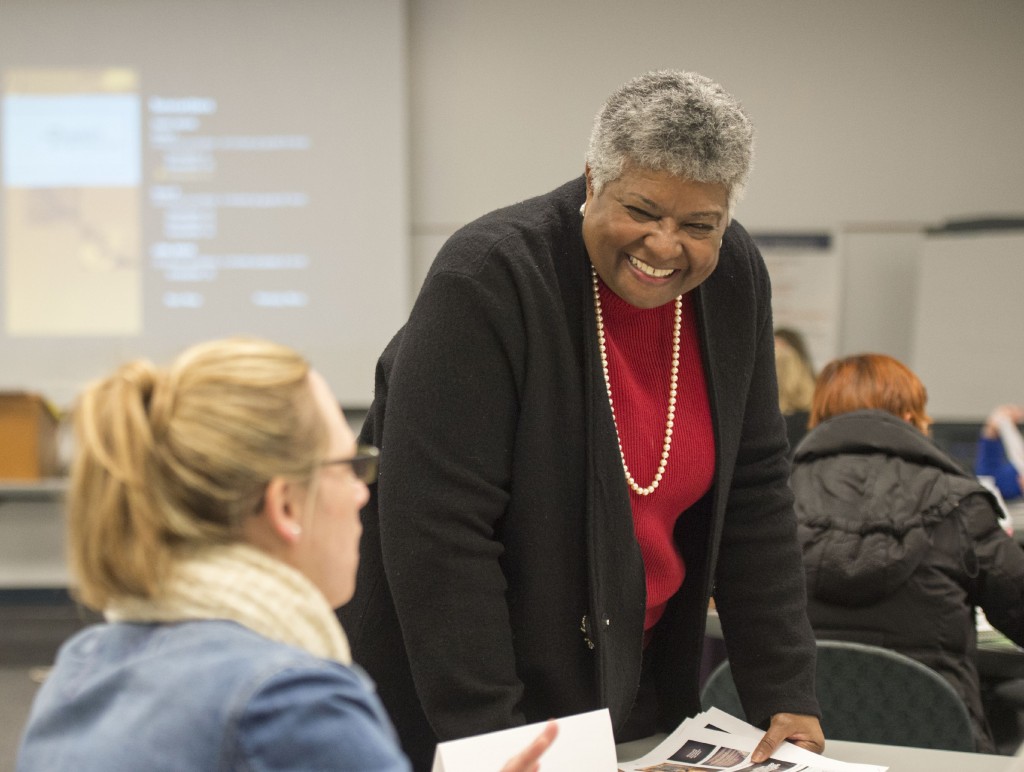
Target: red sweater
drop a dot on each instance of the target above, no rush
(639, 350)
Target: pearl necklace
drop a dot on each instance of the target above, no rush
(673, 382)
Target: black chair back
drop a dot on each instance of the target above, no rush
(870, 694)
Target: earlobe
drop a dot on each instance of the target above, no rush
(281, 509)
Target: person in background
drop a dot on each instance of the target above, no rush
(581, 440)
(214, 518)
(795, 375)
(900, 544)
(991, 460)
(788, 336)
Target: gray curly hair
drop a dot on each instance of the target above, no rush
(678, 122)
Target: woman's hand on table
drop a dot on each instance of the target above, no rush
(804, 731)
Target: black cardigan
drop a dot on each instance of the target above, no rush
(500, 579)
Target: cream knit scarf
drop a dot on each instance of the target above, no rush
(245, 585)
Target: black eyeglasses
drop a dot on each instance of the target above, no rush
(364, 463)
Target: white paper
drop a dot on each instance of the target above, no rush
(1013, 442)
(584, 742)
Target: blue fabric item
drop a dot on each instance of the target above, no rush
(992, 462)
(204, 695)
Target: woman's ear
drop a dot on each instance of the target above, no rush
(921, 425)
(282, 509)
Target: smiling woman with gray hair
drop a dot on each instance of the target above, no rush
(582, 442)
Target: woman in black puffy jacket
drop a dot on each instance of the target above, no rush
(900, 545)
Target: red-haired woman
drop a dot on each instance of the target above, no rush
(899, 543)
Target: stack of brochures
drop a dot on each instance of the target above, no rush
(714, 741)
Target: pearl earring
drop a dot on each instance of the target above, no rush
(583, 209)
(296, 529)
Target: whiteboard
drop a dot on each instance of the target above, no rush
(968, 339)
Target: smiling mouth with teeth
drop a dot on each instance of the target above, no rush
(648, 270)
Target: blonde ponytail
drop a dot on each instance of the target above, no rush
(168, 460)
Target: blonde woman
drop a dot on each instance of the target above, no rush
(214, 518)
(795, 375)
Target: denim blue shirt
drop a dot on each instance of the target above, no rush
(205, 695)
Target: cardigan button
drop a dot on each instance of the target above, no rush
(585, 629)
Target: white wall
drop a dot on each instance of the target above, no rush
(874, 118)
(878, 110)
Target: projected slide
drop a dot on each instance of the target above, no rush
(174, 172)
(71, 182)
